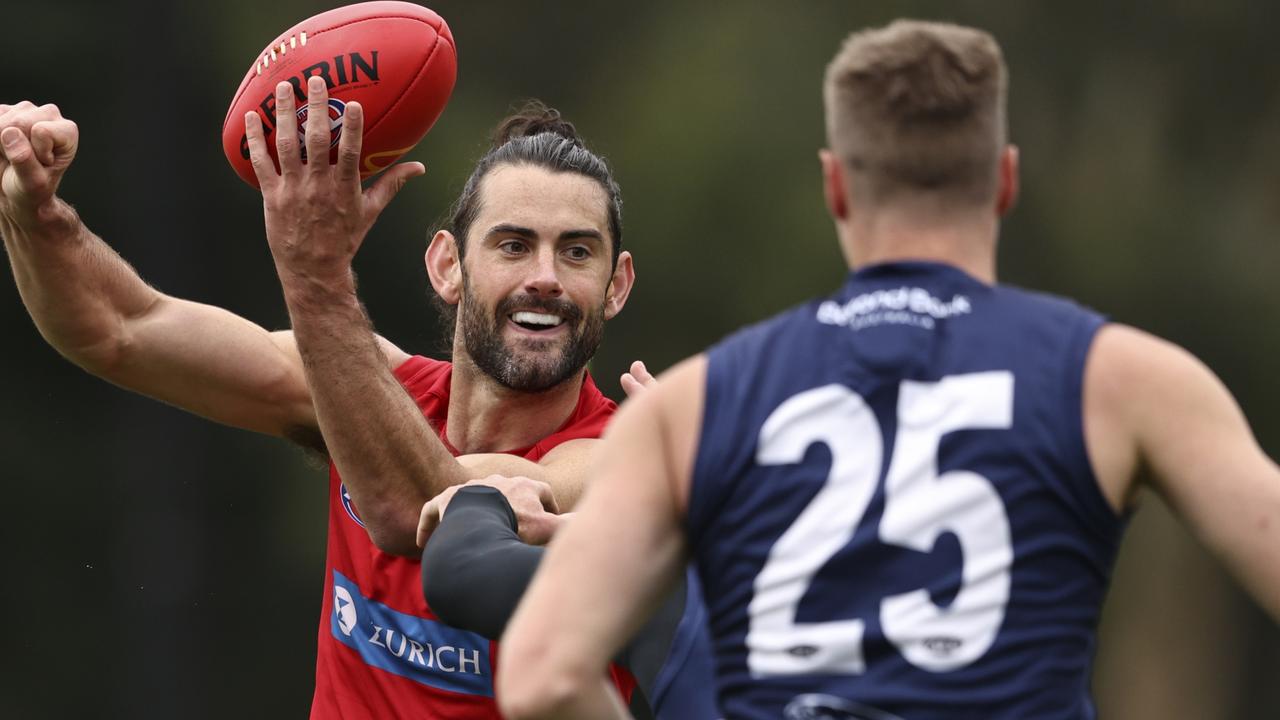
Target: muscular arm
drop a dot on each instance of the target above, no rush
(317, 215)
(391, 460)
(92, 307)
(609, 568)
(1149, 403)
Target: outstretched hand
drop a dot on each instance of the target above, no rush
(38, 147)
(532, 500)
(317, 214)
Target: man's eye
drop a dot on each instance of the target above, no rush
(578, 253)
(512, 247)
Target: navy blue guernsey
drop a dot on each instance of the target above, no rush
(893, 513)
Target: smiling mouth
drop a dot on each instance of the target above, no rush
(535, 321)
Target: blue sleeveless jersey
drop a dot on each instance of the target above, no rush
(892, 510)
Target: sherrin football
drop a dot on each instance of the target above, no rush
(397, 59)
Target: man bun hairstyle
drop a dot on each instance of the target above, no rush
(533, 119)
(918, 107)
(537, 135)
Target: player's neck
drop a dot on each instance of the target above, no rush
(966, 241)
(484, 416)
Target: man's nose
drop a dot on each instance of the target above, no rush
(543, 279)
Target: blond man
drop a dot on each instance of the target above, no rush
(905, 498)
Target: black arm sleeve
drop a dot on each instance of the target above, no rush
(474, 567)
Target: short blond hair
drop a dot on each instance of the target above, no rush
(918, 107)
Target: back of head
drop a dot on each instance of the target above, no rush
(918, 109)
(537, 135)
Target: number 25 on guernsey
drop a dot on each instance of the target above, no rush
(920, 504)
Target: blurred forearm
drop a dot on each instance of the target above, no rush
(581, 698)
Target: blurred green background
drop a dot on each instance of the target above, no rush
(162, 566)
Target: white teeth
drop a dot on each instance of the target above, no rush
(533, 318)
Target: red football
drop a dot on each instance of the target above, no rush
(396, 58)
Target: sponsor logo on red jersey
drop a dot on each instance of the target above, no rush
(412, 647)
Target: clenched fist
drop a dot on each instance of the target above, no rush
(38, 145)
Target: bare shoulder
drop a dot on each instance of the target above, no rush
(570, 451)
(301, 425)
(395, 356)
(1124, 365)
(1123, 352)
(1147, 403)
(288, 344)
(1145, 376)
(1179, 422)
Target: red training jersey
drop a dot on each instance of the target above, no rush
(382, 652)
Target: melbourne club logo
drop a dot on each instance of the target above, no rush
(336, 109)
(344, 606)
(347, 505)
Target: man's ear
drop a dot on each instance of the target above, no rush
(833, 185)
(624, 278)
(1007, 191)
(444, 267)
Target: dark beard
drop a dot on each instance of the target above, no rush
(483, 337)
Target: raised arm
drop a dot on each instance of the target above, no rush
(1151, 404)
(317, 215)
(606, 571)
(92, 307)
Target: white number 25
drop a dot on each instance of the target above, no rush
(919, 506)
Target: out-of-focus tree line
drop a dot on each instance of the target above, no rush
(162, 566)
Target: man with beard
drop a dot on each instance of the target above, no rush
(533, 258)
